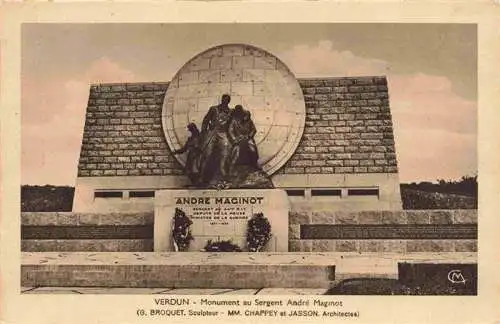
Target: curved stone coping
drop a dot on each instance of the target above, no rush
(357, 260)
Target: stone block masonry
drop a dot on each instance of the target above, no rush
(348, 130)
(407, 231)
(123, 132)
(404, 232)
(92, 232)
(177, 270)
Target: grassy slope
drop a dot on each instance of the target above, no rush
(418, 199)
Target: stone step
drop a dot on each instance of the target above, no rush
(215, 270)
(179, 270)
(171, 291)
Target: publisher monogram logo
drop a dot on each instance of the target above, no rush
(456, 276)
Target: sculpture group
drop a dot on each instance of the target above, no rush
(224, 153)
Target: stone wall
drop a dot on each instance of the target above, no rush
(384, 231)
(123, 133)
(368, 231)
(65, 231)
(348, 130)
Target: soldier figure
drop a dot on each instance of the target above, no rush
(241, 134)
(224, 155)
(216, 147)
(192, 147)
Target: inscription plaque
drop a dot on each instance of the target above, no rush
(397, 231)
(87, 232)
(221, 215)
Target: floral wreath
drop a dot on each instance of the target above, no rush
(181, 231)
(258, 232)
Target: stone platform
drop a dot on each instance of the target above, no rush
(216, 270)
(180, 270)
(170, 291)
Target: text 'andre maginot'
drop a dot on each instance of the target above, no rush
(218, 200)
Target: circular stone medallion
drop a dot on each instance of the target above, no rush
(255, 79)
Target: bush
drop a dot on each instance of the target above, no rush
(46, 198)
(466, 186)
(418, 199)
(444, 194)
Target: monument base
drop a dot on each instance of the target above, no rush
(177, 270)
(241, 270)
(221, 215)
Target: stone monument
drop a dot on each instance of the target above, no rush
(326, 142)
(235, 152)
(231, 157)
(224, 157)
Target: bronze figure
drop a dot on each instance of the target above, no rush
(224, 154)
(192, 147)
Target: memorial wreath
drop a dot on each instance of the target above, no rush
(221, 246)
(181, 231)
(258, 232)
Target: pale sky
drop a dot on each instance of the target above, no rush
(431, 70)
